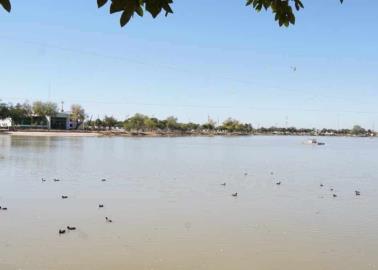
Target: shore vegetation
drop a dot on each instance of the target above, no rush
(23, 114)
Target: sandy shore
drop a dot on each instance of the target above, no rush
(52, 134)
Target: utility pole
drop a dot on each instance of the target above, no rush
(338, 121)
(49, 92)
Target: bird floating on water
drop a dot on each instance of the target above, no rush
(43, 180)
(103, 180)
(3, 208)
(71, 228)
(234, 194)
(62, 231)
(321, 185)
(223, 184)
(334, 195)
(108, 220)
(64, 197)
(278, 183)
(56, 180)
(357, 193)
(100, 206)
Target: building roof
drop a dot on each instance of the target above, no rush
(63, 114)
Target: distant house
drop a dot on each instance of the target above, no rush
(61, 121)
(6, 123)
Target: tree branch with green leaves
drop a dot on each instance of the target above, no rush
(283, 10)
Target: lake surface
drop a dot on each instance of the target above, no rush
(170, 211)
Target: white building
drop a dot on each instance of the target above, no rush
(60, 121)
(6, 123)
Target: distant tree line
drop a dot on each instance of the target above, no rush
(35, 114)
(143, 123)
(355, 131)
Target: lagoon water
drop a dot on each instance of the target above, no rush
(170, 211)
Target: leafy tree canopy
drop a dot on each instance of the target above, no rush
(77, 113)
(45, 108)
(283, 10)
(109, 121)
(171, 122)
(233, 125)
(19, 112)
(210, 125)
(138, 121)
(4, 110)
(356, 130)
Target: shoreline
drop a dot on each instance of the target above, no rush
(63, 133)
(50, 134)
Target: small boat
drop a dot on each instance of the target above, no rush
(314, 142)
(311, 141)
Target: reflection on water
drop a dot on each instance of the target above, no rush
(170, 211)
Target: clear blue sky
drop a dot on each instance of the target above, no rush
(212, 57)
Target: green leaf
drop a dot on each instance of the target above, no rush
(117, 6)
(126, 16)
(139, 11)
(167, 8)
(154, 7)
(6, 5)
(100, 3)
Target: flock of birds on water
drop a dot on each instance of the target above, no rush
(64, 197)
(108, 220)
(334, 195)
(69, 228)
